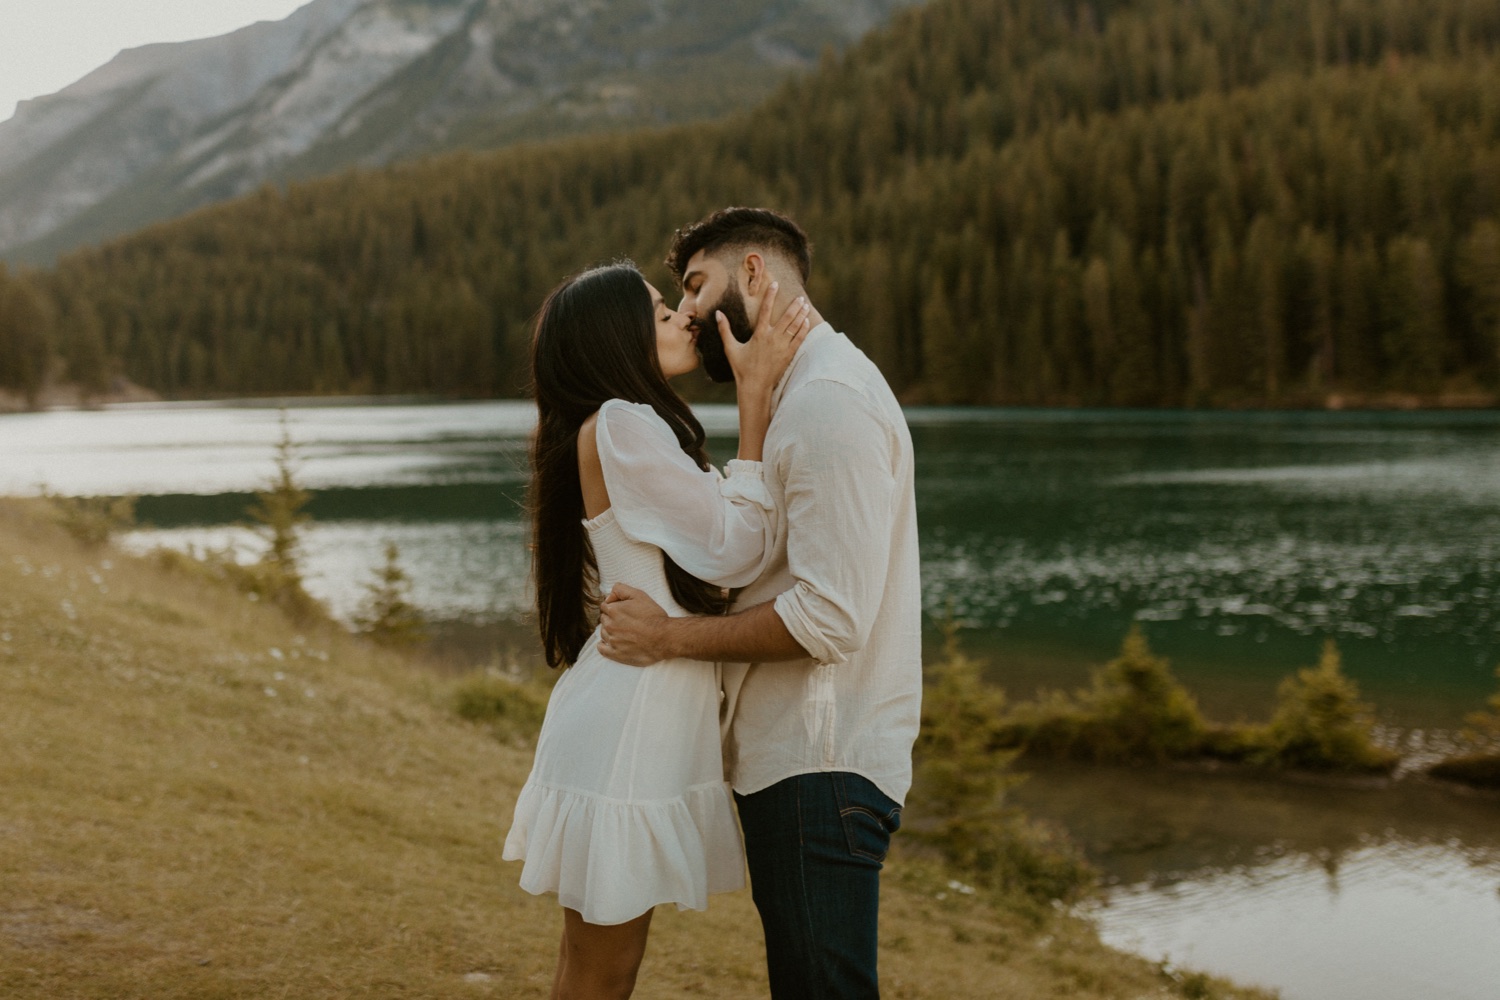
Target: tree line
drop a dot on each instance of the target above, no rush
(1117, 202)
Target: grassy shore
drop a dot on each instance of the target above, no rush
(203, 799)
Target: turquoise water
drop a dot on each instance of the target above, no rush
(1238, 541)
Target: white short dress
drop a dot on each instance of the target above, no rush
(626, 806)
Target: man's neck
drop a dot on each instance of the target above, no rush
(784, 302)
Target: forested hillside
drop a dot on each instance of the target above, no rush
(164, 129)
(1159, 202)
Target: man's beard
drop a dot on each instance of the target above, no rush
(711, 345)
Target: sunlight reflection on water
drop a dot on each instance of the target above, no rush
(1465, 478)
(1221, 532)
(476, 570)
(1307, 586)
(224, 449)
(1392, 921)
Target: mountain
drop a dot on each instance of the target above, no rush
(1275, 203)
(166, 128)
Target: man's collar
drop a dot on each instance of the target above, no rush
(822, 330)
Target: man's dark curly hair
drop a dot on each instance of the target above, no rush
(741, 229)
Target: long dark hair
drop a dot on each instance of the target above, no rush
(595, 340)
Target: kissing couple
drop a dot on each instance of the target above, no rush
(744, 643)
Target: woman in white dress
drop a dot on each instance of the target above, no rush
(626, 806)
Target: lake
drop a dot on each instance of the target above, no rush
(1237, 540)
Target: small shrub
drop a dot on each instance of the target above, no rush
(1144, 713)
(1483, 728)
(510, 707)
(93, 521)
(1479, 764)
(387, 615)
(270, 581)
(277, 577)
(958, 792)
(260, 581)
(1232, 743)
(1135, 711)
(1321, 725)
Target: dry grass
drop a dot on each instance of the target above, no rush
(201, 800)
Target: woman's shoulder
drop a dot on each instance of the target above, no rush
(588, 434)
(612, 407)
(621, 428)
(634, 420)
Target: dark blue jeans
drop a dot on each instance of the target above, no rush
(815, 844)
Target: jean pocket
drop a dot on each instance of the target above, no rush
(869, 818)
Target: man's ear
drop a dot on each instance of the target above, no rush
(756, 274)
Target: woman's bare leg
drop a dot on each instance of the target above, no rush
(599, 962)
(562, 960)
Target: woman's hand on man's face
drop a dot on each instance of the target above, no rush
(760, 362)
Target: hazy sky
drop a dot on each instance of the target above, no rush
(47, 44)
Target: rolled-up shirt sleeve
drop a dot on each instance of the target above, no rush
(840, 486)
(718, 528)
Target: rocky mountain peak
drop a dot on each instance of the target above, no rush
(165, 128)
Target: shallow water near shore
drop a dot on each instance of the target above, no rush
(1238, 541)
(1323, 889)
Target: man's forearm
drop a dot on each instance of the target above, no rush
(755, 635)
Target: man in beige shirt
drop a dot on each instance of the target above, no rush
(822, 655)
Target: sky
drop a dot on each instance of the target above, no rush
(47, 44)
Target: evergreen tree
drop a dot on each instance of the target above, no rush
(959, 785)
(1479, 273)
(945, 362)
(1144, 712)
(1483, 728)
(87, 359)
(278, 509)
(1263, 253)
(1321, 725)
(1414, 337)
(387, 615)
(1147, 203)
(25, 338)
(1478, 762)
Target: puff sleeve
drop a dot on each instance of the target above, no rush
(718, 528)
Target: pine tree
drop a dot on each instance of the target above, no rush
(959, 785)
(1144, 712)
(1414, 336)
(1355, 330)
(1098, 319)
(25, 338)
(1479, 273)
(1478, 762)
(88, 357)
(1483, 728)
(1313, 298)
(944, 359)
(279, 511)
(1321, 725)
(1266, 230)
(387, 614)
(1263, 256)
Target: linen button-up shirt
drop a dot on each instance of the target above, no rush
(844, 574)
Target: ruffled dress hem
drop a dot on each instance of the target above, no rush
(612, 860)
